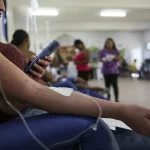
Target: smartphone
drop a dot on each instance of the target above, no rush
(53, 46)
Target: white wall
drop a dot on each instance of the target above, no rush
(146, 38)
(128, 40)
(124, 39)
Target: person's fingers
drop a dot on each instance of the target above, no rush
(32, 57)
(38, 75)
(43, 63)
(49, 59)
(39, 68)
(142, 127)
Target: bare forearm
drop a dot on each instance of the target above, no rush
(111, 109)
(15, 83)
(23, 89)
(77, 104)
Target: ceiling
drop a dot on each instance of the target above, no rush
(80, 15)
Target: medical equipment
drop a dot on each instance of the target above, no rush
(94, 127)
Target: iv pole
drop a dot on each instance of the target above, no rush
(34, 6)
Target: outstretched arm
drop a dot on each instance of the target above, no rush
(20, 87)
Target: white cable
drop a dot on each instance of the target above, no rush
(68, 141)
(94, 127)
(100, 114)
(23, 119)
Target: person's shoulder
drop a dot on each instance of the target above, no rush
(31, 52)
(7, 47)
(13, 54)
(3, 47)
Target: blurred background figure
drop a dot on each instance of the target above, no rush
(124, 68)
(66, 77)
(71, 68)
(133, 70)
(82, 60)
(110, 57)
(22, 41)
(133, 67)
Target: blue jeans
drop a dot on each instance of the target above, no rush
(51, 129)
(127, 140)
(68, 83)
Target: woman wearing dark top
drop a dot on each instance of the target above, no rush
(110, 57)
(82, 60)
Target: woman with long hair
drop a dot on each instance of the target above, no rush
(110, 57)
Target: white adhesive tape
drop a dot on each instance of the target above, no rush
(62, 91)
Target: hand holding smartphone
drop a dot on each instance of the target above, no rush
(52, 47)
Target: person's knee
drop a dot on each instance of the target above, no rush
(102, 132)
(102, 137)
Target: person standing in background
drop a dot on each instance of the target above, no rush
(110, 57)
(133, 67)
(71, 68)
(82, 60)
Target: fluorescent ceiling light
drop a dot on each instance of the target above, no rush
(113, 13)
(34, 4)
(45, 12)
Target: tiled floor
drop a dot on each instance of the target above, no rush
(131, 91)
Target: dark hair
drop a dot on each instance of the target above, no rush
(78, 42)
(19, 36)
(110, 39)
